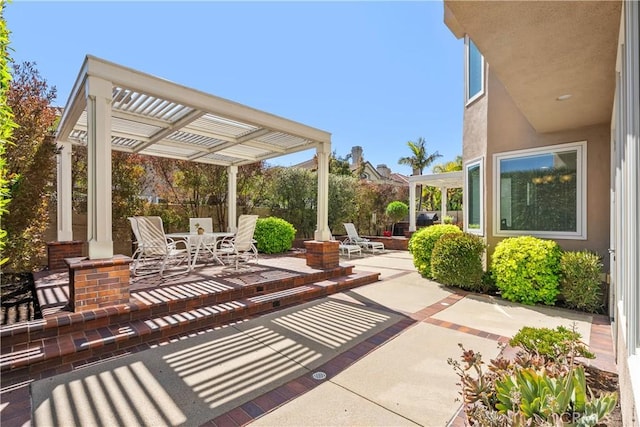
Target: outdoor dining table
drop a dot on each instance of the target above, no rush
(206, 241)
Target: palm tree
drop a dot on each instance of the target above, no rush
(452, 166)
(419, 160)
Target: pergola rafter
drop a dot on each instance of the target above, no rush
(112, 107)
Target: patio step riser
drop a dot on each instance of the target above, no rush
(64, 353)
(76, 322)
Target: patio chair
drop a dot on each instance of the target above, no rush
(355, 239)
(241, 246)
(205, 223)
(155, 252)
(348, 248)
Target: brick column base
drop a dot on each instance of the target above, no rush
(97, 283)
(58, 251)
(322, 255)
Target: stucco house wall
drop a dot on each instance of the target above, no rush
(589, 53)
(508, 130)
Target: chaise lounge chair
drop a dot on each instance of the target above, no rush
(365, 244)
(347, 248)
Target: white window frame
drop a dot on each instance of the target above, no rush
(581, 190)
(467, 52)
(465, 206)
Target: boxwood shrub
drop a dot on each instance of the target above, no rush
(526, 269)
(456, 260)
(580, 281)
(422, 242)
(273, 235)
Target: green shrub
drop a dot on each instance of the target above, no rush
(526, 269)
(488, 282)
(580, 280)
(552, 344)
(456, 260)
(273, 235)
(422, 242)
(396, 211)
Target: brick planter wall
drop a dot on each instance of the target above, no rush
(58, 251)
(396, 243)
(322, 254)
(98, 283)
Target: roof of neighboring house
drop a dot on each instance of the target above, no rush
(307, 164)
(370, 172)
(400, 177)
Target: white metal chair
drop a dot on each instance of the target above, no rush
(241, 246)
(205, 223)
(348, 248)
(354, 238)
(155, 252)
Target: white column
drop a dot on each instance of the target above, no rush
(323, 234)
(64, 202)
(232, 214)
(412, 206)
(99, 218)
(443, 203)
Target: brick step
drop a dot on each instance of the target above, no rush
(49, 356)
(155, 301)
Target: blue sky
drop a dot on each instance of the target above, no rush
(374, 74)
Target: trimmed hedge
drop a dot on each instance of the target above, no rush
(580, 281)
(422, 242)
(456, 260)
(273, 235)
(526, 269)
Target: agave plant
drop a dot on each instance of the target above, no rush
(529, 390)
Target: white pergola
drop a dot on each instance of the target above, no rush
(112, 107)
(440, 180)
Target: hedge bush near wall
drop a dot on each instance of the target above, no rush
(422, 242)
(526, 269)
(273, 235)
(456, 260)
(580, 284)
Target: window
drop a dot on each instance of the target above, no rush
(541, 192)
(474, 72)
(474, 198)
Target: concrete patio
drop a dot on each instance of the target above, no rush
(373, 355)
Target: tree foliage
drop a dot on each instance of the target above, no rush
(419, 160)
(396, 211)
(339, 165)
(293, 197)
(30, 167)
(7, 126)
(371, 201)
